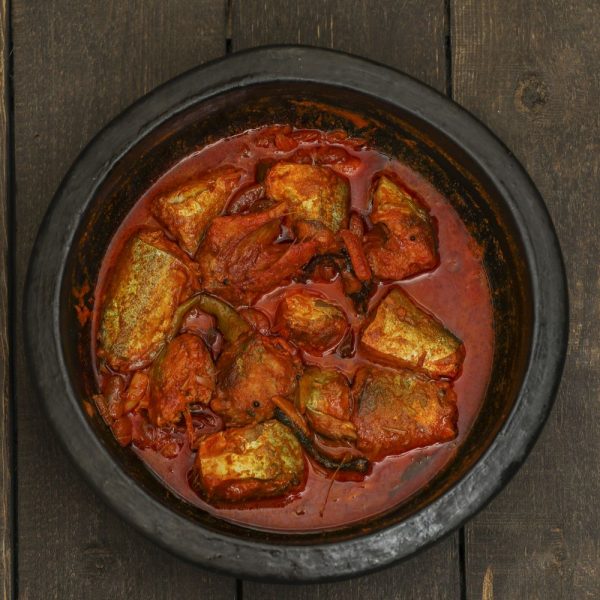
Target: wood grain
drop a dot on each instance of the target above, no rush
(409, 36)
(77, 64)
(6, 438)
(530, 71)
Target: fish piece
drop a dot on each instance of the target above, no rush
(250, 372)
(402, 242)
(183, 374)
(347, 460)
(257, 461)
(151, 278)
(403, 334)
(187, 210)
(240, 260)
(310, 192)
(398, 410)
(311, 322)
(222, 239)
(324, 398)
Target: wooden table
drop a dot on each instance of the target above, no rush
(528, 69)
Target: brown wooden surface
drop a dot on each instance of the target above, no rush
(376, 30)
(78, 64)
(6, 448)
(528, 69)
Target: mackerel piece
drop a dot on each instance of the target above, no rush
(400, 410)
(311, 193)
(404, 335)
(149, 282)
(324, 398)
(402, 242)
(188, 210)
(257, 461)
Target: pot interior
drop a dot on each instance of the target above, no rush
(385, 127)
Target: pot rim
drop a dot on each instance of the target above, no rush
(363, 553)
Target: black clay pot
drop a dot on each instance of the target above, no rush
(488, 188)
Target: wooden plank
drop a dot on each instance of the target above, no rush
(530, 71)
(409, 36)
(77, 64)
(6, 479)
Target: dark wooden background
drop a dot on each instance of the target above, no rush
(529, 69)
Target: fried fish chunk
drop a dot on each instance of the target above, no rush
(183, 374)
(403, 334)
(186, 211)
(402, 242)
(151, 278)
(257, 461)
(399, 410)
(311, 193)
(324, 398)
(250, 372)
(240, 260)
(310, 322)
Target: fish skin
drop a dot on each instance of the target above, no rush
(145, 289)
(402, 334)
(399, 410)
(256, 461)
(403, 241)
(324, 398)
(188, 210)
(311, 192)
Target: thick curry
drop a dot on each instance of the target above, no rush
(292, 330)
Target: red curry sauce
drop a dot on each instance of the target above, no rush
(456, 292)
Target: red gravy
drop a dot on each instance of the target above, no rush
(456, 292)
